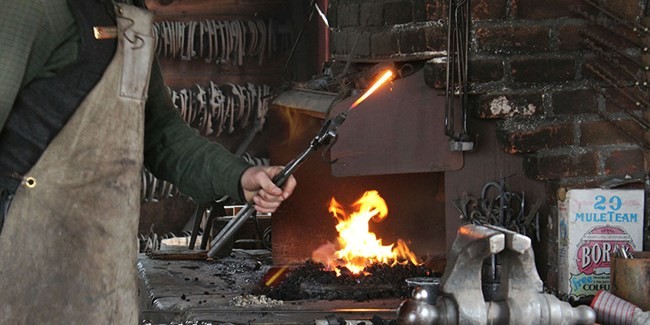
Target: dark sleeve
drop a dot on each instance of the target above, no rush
(175, 152)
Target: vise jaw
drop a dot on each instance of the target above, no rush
(519, 298)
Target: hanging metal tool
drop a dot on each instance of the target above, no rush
(457, 83)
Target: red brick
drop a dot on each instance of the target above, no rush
(543, 69)
(492, 105)
(489, 9)
(629, 10)
(526, 134)
(436, 38)
(348, 14)
(559, 165)
(624, 162)
(398, 12)
(622, 99)
(425, 10)
(411, 40)
(542, 9)
(608, 133)
(362, 47)
(435, 73)
(345, 39)
(574, 101)
(485, 69)
(371, 13)
(513, 38)
(339, 42)
(569, 37)
(383, 44)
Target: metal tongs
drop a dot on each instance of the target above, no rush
(324, 137)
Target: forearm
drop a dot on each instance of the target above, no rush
(175, 152)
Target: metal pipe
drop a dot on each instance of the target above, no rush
(635, 27)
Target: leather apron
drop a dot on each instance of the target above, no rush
(68, 248)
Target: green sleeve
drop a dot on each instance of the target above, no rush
(20, 24)
(175, 152)
(37, 39)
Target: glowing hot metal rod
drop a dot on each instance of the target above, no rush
(324, 137)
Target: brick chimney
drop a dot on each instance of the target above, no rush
(528, 76)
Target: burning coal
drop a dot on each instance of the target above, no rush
(357, 247)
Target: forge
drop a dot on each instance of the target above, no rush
(313, 281)
(233, 290)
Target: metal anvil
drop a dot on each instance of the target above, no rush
(519, 299)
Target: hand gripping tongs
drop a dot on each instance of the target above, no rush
(324, 137)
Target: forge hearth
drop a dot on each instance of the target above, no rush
(312, 281)
(207, 292)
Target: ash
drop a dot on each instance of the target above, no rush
(313, 281)
(252, 300)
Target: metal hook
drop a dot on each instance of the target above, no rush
(327, 150)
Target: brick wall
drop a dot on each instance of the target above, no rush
(528, 72)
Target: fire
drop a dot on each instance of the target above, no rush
(359, 247)
(384, 77)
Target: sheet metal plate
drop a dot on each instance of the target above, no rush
(398, 129)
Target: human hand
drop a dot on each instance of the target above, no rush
(259, 188)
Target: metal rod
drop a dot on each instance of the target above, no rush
(636, 27)
(601, 73)
(611, 59)
(312, 7)
(449, 101)
(645, 146)
(248, 211)
(614, 48)
(641, 122)
(198, 217)
(324, 137)
(599, 22)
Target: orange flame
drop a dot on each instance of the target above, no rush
(372, 89)
(359, 247)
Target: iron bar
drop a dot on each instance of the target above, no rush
(624, 36)
(635, 27)
(644, 145)
(613, 60)
(602, 74)
(640, 121)
(458, 35)
(614, 48)
(325, 136)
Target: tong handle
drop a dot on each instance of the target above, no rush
(324, 137)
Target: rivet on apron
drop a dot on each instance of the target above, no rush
(30, 182)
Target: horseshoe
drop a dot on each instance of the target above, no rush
(208, 26)
(201, 35)
(184, 112)
(156, 34)
(262, 30)
(186, 53)
(200, 106)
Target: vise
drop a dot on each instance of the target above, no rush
(519, 298)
